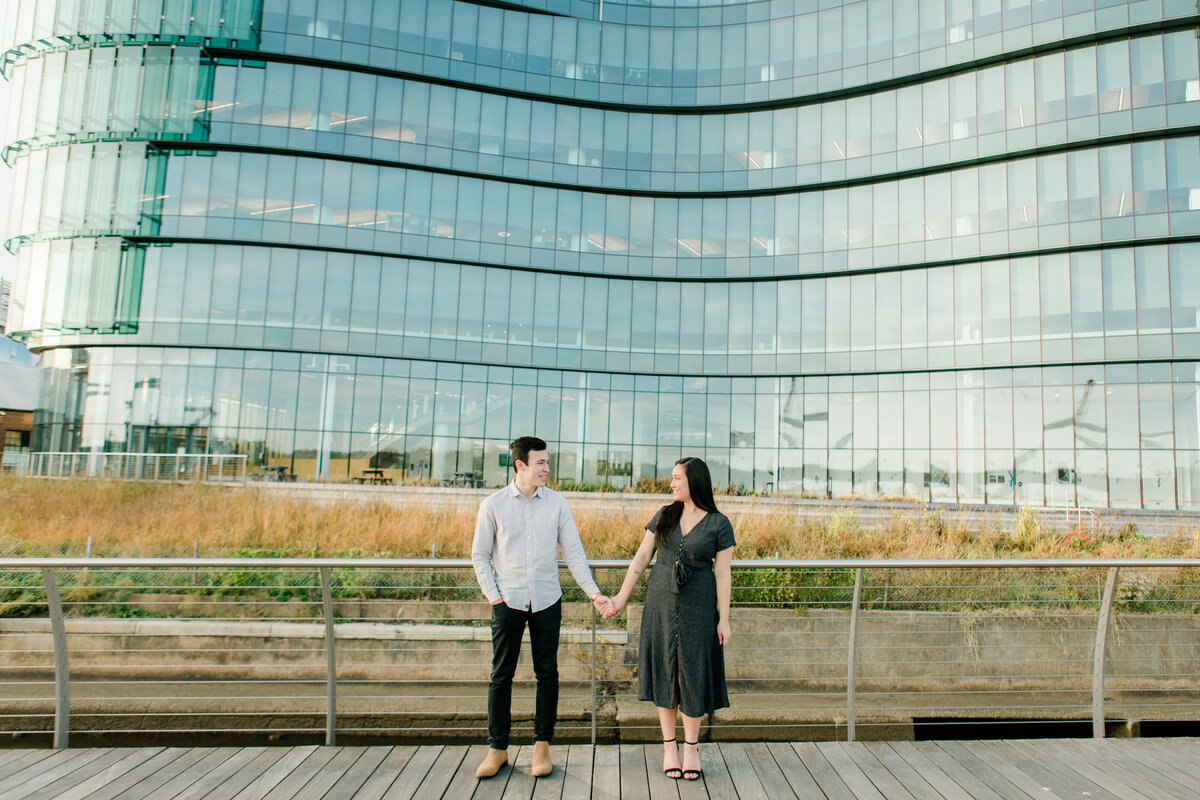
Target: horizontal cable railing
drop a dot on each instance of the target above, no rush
(139, 466)
(128, 650)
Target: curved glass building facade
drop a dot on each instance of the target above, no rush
(942, 249)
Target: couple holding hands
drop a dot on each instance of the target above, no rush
(685, 621)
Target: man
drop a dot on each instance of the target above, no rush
(518, 534)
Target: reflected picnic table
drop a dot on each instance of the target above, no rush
(374, 477)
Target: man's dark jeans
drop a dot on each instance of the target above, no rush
(508, 626)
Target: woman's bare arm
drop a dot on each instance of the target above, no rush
(723, 572)
(637, 566)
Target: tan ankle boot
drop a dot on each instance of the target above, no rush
(492, 762)
(541, 760)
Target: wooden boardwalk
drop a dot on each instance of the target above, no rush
(1044, 769)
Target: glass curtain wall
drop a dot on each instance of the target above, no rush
(940, 253)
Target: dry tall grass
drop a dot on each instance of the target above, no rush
(39, 517)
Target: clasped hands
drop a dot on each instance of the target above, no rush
(607, 607)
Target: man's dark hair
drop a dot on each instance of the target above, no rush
(519, 450)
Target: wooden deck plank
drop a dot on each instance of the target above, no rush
(577, 780)
(1184, 744)
(405, 784)
(121, 783)
(152, 780)
(769, 774)
(983, 770)
(393, 764)
(330, 773)
(272, 775)
(883, 780)
(1092, 767)
(132, 760)
(9, 755)
(606, 772)
(353, 779)
(661, 787)
(902, 771)
(967, 771)
(34, 777)
(1183, 758)
(984, 759)
(25, 765)
(249, 772)
(634, 783)
(209, 771)
(493, 788)
(442, 773)
(301, 774)
(794, 770)
(1078, 771)
(551, 786)
(75, 777)
(1141, 772)
(1151, 763)
(934, 775)
(463, 784)
(521, 782)
(205, 766)
(25, 758)
(741, 771)
(698, 789)
(204, 787)
(717, 780)
(1037, 762)
(822, 771)
(849, 772)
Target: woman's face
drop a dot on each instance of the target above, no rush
(679, 484)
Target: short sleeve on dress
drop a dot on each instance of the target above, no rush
(725, 538)
(652, 525)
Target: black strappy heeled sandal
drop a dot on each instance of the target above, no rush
(692, 774)
(674, 773)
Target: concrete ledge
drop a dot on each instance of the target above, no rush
(290, 630)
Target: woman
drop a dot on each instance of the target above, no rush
(685, 623)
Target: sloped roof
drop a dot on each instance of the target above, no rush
(18, 387)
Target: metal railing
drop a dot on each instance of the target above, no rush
(104, 650)
(14, 460)
(138, 466)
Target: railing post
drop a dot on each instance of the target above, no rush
(593, 674)
(852, 665)
(330, 661)
(62, 670)
(1106, 602)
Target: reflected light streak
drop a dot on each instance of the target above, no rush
(217, 107)
(284, 208)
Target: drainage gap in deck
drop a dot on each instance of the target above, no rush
(939, 728)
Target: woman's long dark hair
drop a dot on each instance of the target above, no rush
(699, 485)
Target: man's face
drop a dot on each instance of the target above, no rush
(537, 470)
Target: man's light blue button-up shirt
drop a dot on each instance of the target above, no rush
(515, 551)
